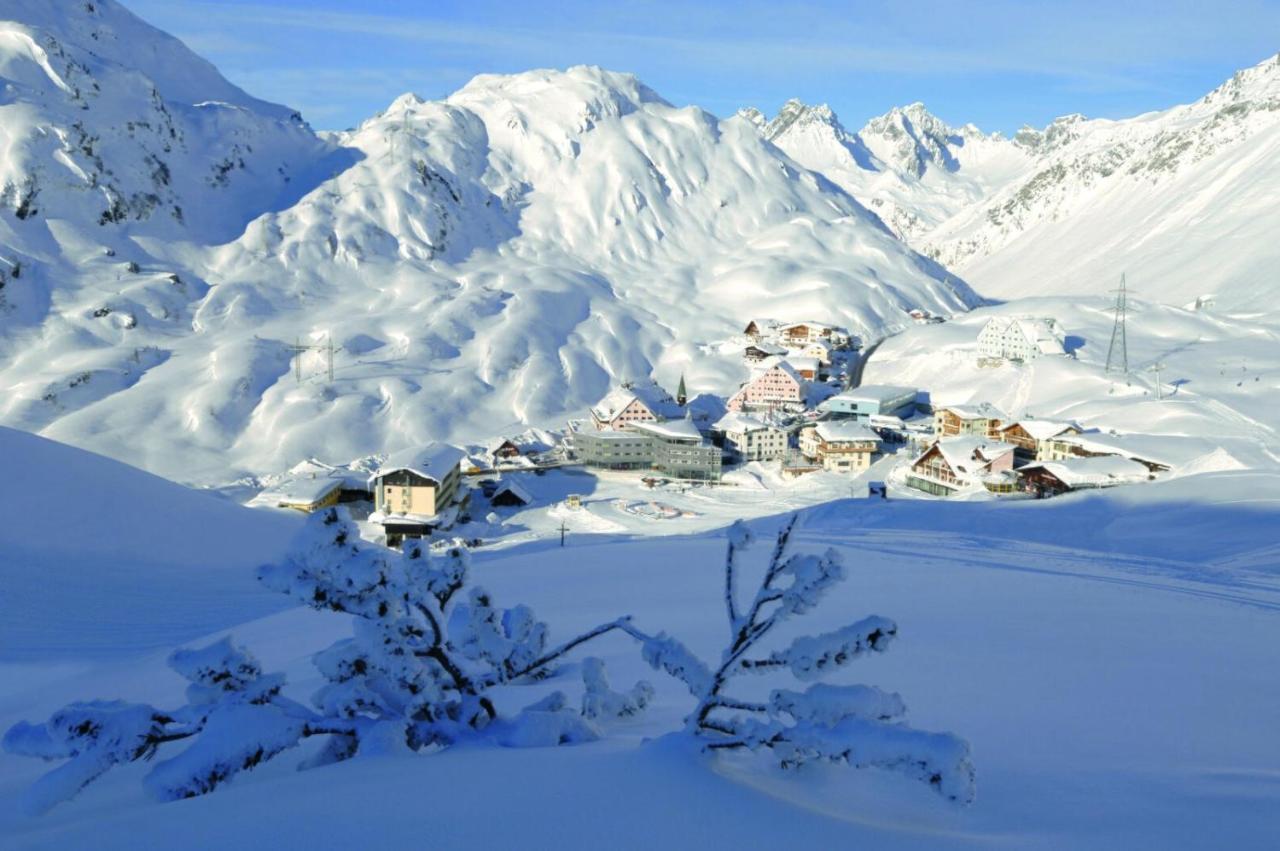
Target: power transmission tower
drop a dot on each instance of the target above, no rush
(1118, 353)
(299, 350)
(1156, 367)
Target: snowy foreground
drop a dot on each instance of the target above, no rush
(1110, 659)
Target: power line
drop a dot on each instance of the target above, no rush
(1118, 353)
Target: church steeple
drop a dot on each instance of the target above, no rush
(682, 395)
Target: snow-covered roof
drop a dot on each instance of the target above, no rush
(767, 348)
(302, 490)
(809, 324)
(878, 393)
(969, 455)
(514, 488)
(682, 429)
(352, 476)
(650, 394)
(1098, 471)
(1166, 450)
(1042, 429)
(1041, 333)
(980, 411)
(804, 364)
(776, 363)
(845, 431)
(433, 461)
(530, 440)
(735, 421)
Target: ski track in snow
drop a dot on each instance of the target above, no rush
(1003, 554)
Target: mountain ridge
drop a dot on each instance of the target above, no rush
(496, 258)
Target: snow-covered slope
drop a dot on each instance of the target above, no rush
(1063, 659)
(1220, 377)
(1182, 200)
(907, 165)
(499, 257)
(136, 562)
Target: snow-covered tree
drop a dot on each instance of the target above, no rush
(857, 725)
(235, 715)
(416, 672)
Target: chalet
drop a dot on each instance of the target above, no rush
(982, 420)
(954, 464)
(1050, 478)
(819, 350)
(1019, 339)
(505, 451)
(750, 439)
(803, 333)
(839, 445)
(1034, 438)
(510, 494)
(413, 490)
(758, 329)
(806, 368)
(871, 400)
(1145, 450)
(776, 387)
(303, 493)
(634, 402)
(757, 352)
(511, 451)
(312, 485)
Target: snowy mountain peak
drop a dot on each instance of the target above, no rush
(754, 116)
(82, 37)
(913, 139)
(1259, 84)
(796, 113)
(1159, 192)
(108, 121)
(1057, 134)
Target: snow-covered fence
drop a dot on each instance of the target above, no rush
(858, 725)
(416, 672)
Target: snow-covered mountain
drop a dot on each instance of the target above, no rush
(1179, 199)
(907, 165)
(1182, 200)
(495, 258)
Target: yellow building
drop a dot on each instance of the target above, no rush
(414, 489)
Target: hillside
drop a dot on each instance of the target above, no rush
(497, 258)
(1178, 199)
(100, 559)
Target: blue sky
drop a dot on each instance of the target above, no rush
(998, 64)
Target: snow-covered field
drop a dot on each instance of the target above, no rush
(1110, 659)
(500, 258)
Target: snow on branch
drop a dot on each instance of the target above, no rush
(857, 725)
(810, 657)
(600, 701)
(415, 672)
